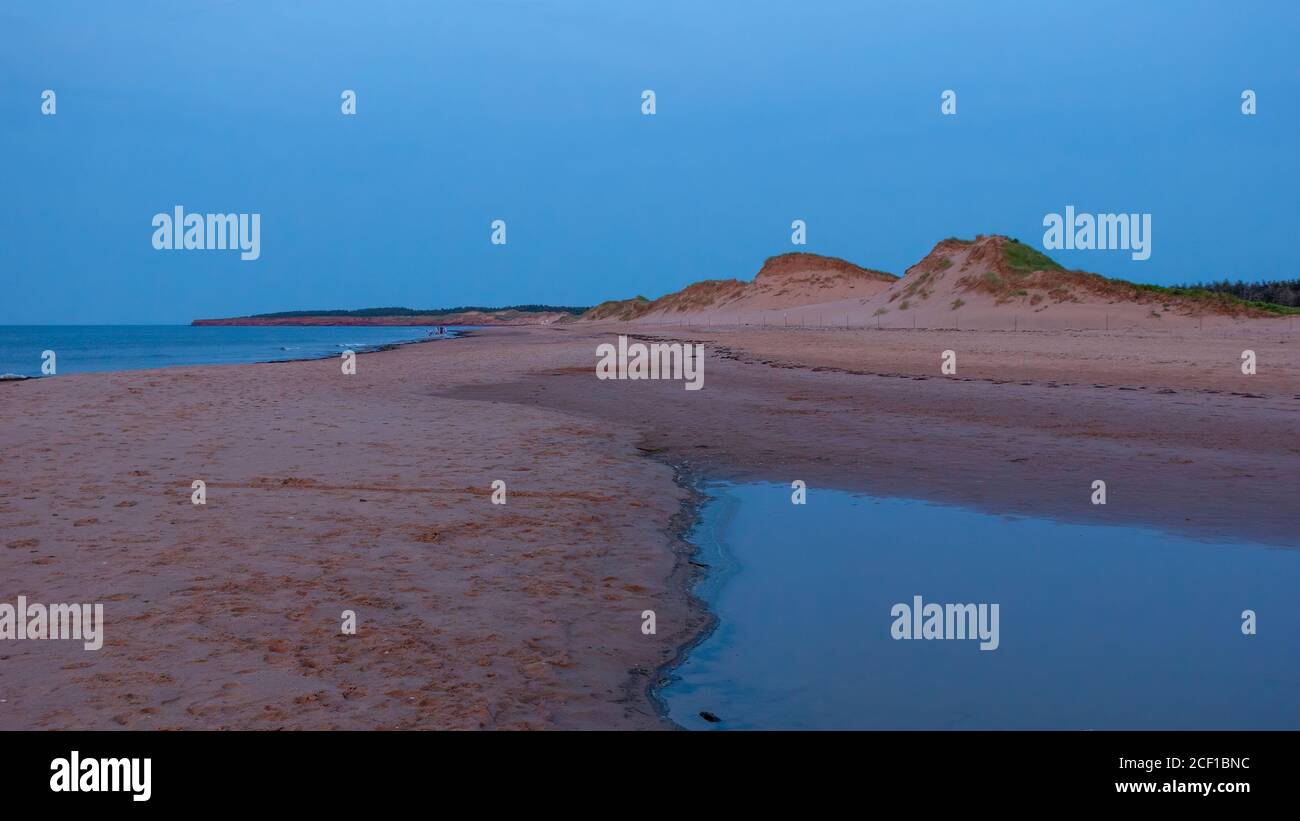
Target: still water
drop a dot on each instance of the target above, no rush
(1099, 626)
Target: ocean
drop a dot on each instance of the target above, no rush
(88, 348)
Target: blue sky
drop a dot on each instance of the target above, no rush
(530, 112)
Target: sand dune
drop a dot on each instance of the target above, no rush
(989, 283)
(784, 281)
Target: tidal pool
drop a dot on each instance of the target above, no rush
(1099, 627)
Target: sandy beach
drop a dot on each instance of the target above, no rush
(328, 493)
(372, 493)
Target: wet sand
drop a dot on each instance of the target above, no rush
(372, 493)
(328, 493)
(1181, 437)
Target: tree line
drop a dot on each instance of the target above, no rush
(1279, 292)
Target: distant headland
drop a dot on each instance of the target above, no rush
(508, 315)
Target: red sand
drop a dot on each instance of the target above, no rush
(372, 493)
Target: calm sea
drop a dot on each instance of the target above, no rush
(84, 348)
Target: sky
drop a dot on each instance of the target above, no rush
(530, 112)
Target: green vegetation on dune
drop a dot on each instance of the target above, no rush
(1211, 297)
(1284, 292)
(619, 308)
(1021, 257)
(1281, 297)
(609, 303)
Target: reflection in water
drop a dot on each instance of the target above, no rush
(1099, 627)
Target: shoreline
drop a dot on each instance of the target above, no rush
(687, 573)
(712, 565)
(361, 351)
(505, 617)
(373, 489)
(700, 574)
(368, 349)
(726, 678)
